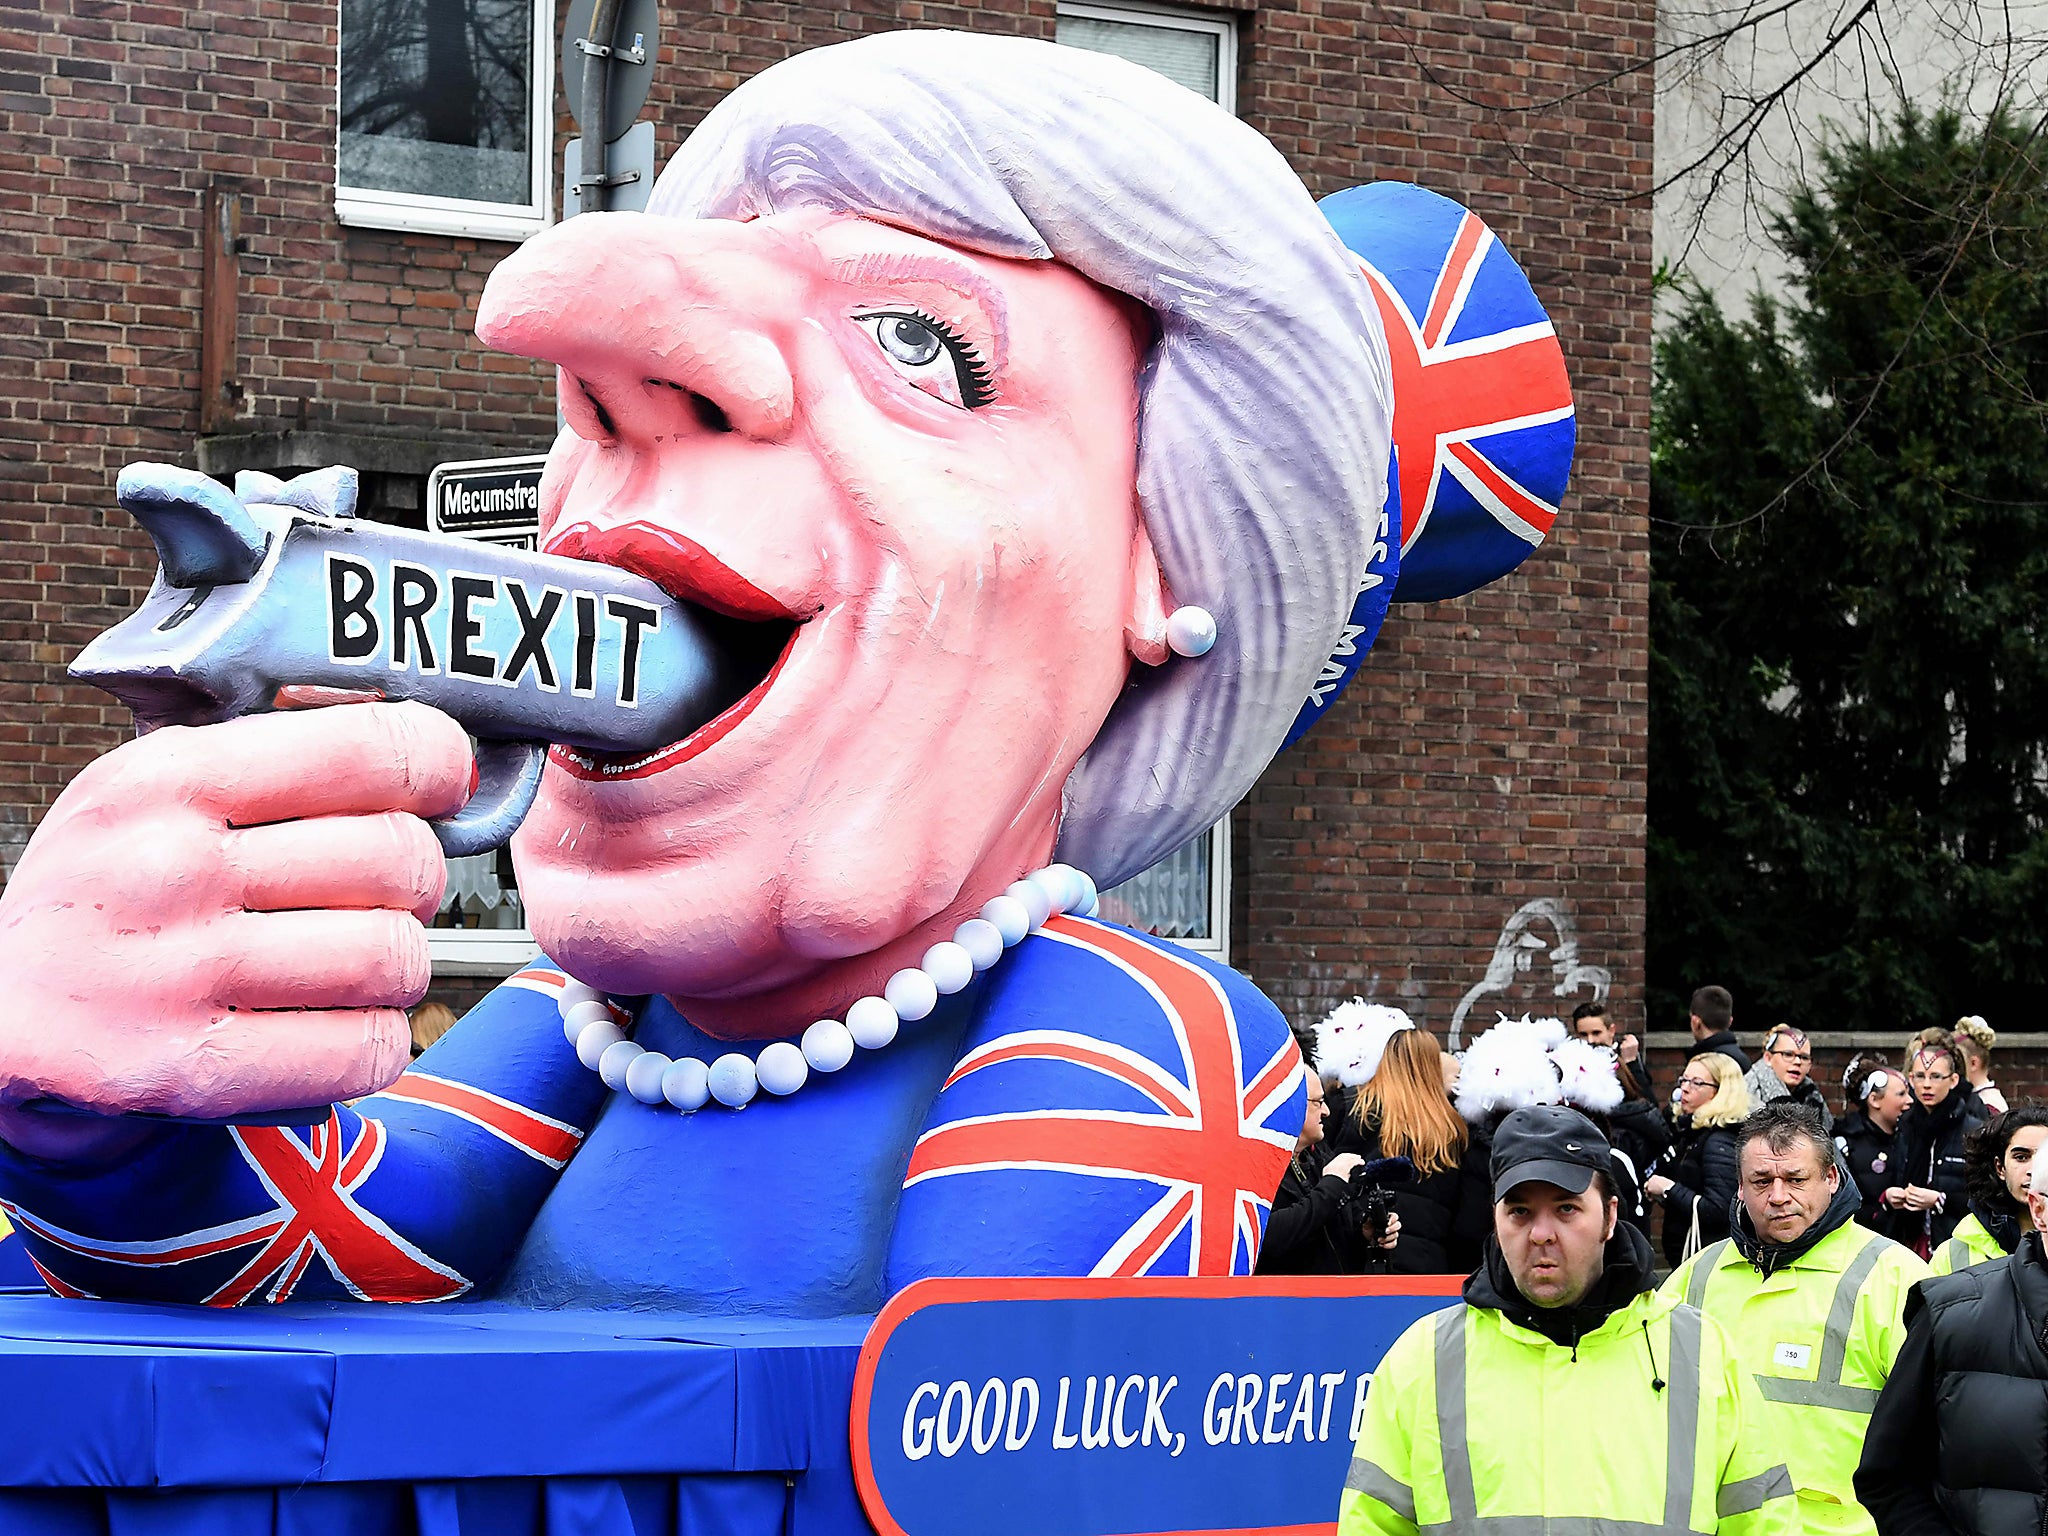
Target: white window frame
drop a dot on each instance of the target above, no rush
(410, 212)
(1175, 19)
(480, 952)
(1219, 895)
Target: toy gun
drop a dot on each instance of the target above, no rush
(275, 588)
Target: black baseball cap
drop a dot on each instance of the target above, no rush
(1548, 1143)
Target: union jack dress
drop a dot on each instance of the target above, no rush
(1101, 1103)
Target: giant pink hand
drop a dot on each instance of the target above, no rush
(223, 920)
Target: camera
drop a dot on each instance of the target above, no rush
(1368, 1198)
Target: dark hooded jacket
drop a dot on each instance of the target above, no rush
(1626, 1275)
(1959, 1440)
(1927, 1150)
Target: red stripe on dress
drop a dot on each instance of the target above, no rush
(525, 1129)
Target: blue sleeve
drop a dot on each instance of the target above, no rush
(419, 1193)
(1121, 1107)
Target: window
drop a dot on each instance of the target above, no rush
(1198, 51)
(1186, 896)
(445, 116)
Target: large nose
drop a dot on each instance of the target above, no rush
(662, 328)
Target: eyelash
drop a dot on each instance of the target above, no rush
(977, 384)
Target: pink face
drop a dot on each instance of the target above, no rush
(923, 458)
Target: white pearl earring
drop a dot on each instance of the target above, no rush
(1190, 631)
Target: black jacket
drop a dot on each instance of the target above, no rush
(1868, 1152)
(1959, 1439)
(1640, 1130)
(1703, 1168)
(1927, 1150)
(1444, 1215)
(1723, 1041)
(1302, 1230)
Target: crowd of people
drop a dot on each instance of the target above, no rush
(1848, 1333)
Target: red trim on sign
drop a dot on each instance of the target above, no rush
(916, 1297)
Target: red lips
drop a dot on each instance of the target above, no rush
(684, 569)
(679, 566)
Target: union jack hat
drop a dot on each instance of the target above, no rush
(1483, 418)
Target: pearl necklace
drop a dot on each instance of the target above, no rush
(595, 1025)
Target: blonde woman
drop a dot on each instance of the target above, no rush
(1696, 1181)
(1401, 1110)
(1974, 1038)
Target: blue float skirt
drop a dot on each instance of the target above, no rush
(473, 1418)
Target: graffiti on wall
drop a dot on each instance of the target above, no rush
(1539, 928)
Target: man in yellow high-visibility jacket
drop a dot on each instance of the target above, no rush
(1998, 1162)
(1814, 1303)
(1563, 1396)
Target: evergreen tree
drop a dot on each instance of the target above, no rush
(1849, 603)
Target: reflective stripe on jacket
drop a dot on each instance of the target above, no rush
(1477, 1426)
(1970, 1245)
(1819, 1335)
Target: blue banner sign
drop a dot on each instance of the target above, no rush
(1121, 1407)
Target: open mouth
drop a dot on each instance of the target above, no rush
(753, 633)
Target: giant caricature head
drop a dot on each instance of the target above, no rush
(971, 359)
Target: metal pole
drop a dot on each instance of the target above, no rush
(597, 80)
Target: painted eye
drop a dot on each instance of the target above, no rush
(931, 355)
(908, 339)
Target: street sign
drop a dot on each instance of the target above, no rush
(497, 500)
(632, 42)
(630, 154)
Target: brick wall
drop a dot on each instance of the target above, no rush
(1491, 754)
(115, 117)
(1492, 751)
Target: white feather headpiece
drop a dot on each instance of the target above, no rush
(1508, 1068)
(1586, 1076)
(1525, 1061)
(1353, 1037)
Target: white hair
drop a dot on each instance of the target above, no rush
(1265, 407)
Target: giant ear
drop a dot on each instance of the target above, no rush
(1148, 602)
